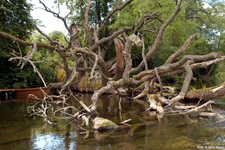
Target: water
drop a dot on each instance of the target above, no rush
(174, 132)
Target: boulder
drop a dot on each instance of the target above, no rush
(103, 124)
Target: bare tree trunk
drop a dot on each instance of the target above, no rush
(120, 64)
(115, 84)
(207, 93)
(158, 38)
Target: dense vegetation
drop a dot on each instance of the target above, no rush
(15, 19)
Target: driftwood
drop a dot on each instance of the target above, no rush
(207, 93)
(91, 72)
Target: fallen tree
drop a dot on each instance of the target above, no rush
(92, 73)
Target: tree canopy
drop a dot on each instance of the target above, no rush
(15, 19)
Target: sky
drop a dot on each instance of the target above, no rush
(50, 22)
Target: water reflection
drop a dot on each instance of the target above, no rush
(48, 140)
(174, 132)
(52, 141)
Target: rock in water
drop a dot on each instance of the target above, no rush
(103, 124)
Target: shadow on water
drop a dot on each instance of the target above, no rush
(174, 132)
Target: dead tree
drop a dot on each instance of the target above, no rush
(91, 72)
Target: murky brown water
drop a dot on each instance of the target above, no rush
(175, 132)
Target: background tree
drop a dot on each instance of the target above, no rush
(15, 19)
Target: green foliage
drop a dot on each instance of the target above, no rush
(193, 17)
(136, 55)
(43, 54)
(97, 14)
(48, 72)
(16, 77)
(15, 17)
(47, 68)
(16, 20)
(59, 37)
(219, 73)
(175, 35)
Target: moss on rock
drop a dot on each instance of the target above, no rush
(103, 124)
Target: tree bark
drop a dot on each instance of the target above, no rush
(207, 93)
(120, 64)
(158, 38)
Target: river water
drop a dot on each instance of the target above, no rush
(174, 132)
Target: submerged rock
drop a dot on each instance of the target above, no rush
(102, 135)
(103, 124)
